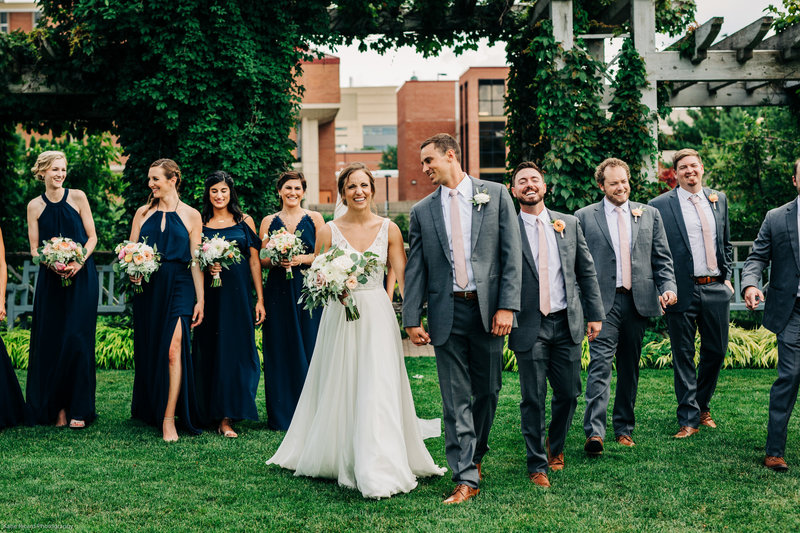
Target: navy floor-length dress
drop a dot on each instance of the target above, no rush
(61, 365)
(289, 334)
(12, 405)
(224, 353)
(166, 300)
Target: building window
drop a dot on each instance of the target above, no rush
(379, 137)
(491, 145)
(37, 17)
(497, 177)
(4, 23)
(491, 95)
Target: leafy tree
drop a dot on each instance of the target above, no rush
(389, 158)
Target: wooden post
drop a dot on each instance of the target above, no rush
(561, 15)
(643, 27)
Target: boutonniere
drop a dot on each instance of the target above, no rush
(713, 197)
(637, 213)
(558, 225)
(481, 197)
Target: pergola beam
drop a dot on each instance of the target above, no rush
(786, 42)
(704, 36)
(721, 66)
(736, 94)
(745, 40)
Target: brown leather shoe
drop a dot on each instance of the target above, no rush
(686, 431)
(539, 478)
(461, 494)
(625, 440)
(775, 463)
(706, 420)
(555, 463)
(593, 446)
(480, 474)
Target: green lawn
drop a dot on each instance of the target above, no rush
(119, 475)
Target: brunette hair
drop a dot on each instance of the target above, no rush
(171, 170)
(524, 165)
(600, 171)
(443, 142)
(345, 173)
(288, 176)
(45, 161)
(220, 176)
(680, 154)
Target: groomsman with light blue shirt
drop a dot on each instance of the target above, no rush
(698, 232)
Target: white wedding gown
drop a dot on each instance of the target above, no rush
(355, 421)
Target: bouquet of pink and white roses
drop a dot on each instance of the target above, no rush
(58, 253)
(217, 250)
(333, 275)
(138, 260)
(283, 246)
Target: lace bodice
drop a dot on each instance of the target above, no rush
(379, 246)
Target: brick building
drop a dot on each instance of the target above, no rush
(17, 15)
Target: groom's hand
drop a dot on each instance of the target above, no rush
(501, 322)
(418, 335)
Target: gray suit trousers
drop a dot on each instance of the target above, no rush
(783, 394)
(708, 312)
(622, 333)
(554, 357)
(470, 367)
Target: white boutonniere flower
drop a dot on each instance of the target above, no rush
(637, 213)
(559, 226)
(480, 197)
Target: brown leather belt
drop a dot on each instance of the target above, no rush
(705, 280)
(623, 290)
(466, 295)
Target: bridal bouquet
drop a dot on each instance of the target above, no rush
(281, 246)
(217, 250)
(136, 259)
(333, 275)
(59, 252)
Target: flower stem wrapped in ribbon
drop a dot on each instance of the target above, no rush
(283, 246)
(57, 253)
(217, 250)
(138, 260)
(333, 275)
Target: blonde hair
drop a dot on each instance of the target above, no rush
(171, 170)
(45, 162)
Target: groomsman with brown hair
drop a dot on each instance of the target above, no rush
(698, 231)
(557, 277)
(634, 271)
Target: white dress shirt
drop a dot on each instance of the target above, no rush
(695, 230)
(613, 230)
(464, 189)
(558, 291)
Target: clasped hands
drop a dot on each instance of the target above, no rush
(69, 271)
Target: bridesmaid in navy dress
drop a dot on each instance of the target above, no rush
(170, 303)
(224, 353)
(12, 405)
(61, 365)
(289, 331)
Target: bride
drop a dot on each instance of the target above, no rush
(355, 420)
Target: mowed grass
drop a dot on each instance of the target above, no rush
(119, 475)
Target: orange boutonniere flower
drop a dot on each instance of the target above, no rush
(637, 213)
(559, 226)
(713, 197)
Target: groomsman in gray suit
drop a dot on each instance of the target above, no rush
(699, 236)
(777, 243)
(464, 261)
(634, 271)
(557, 271)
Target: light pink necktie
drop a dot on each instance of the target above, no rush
(544, 270)
(624, 248)
(708, 243)
(457, 237)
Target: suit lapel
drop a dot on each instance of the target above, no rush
(719, 221)
(675, 204)
(477, 217)
(526, 247)
(634, 223)
(602, 223)
(438, 221)
(791, 226)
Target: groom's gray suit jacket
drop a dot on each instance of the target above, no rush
(496, 261)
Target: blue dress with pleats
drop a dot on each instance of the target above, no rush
(224, 353)
(166, 300)
(61, 365)
(289, 334)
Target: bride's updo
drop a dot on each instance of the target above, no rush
(345, 174)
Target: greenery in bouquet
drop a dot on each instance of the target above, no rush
(57, 253)
(283, 246)
(217, 250)
(137, 260)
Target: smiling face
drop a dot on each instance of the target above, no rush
(529, 187)
(158, 182)
(438, 165)
(54, 176)
(291, 193)
(219, 195)
(689, 172)
(358, 190)
(616, 186)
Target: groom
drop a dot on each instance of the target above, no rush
(465, 261)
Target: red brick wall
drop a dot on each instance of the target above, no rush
(468, 113)
(424, 108)
(327, 162)
(20, 21)
(321, 81)
(371, 159)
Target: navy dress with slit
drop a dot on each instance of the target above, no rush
(61, 365)
(166, 300)
(289, 333)
(224, 353)
(12, 406)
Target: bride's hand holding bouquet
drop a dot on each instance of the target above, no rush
(138, 260)
(63, 256)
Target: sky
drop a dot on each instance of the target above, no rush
(371, 69)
